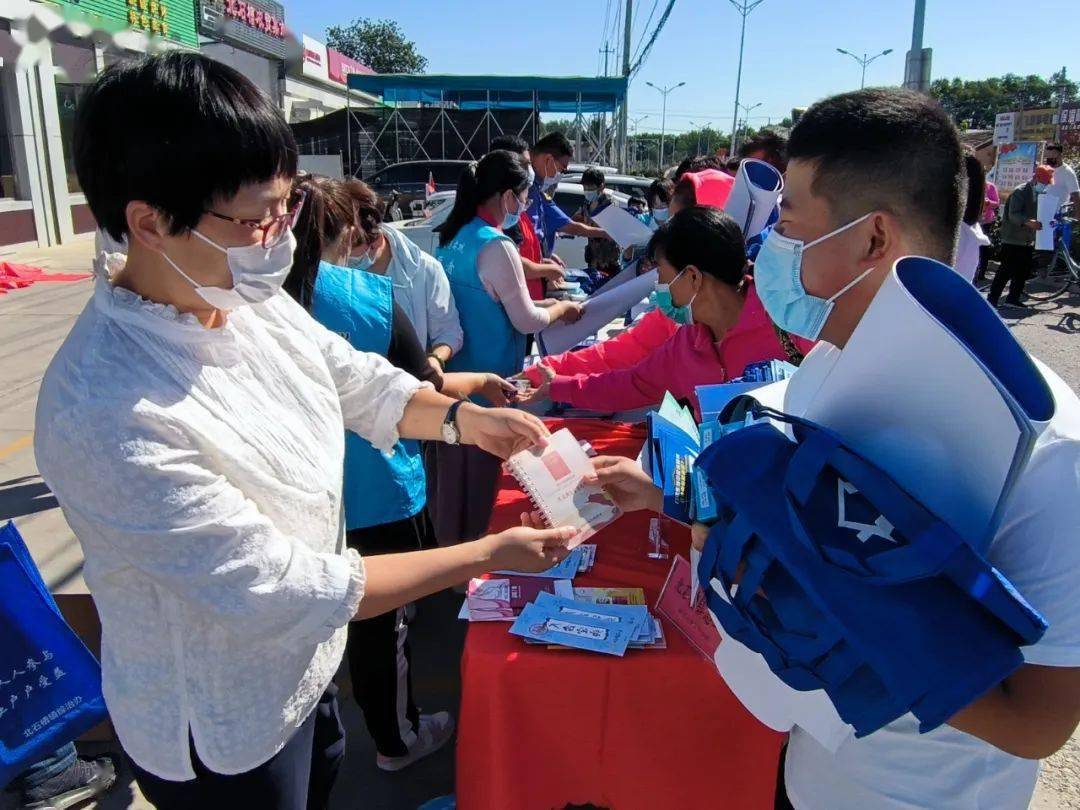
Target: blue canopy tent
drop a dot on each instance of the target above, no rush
(452, 128)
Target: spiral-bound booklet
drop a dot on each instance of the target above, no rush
(552, 477)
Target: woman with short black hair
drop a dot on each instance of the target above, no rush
(192, 429)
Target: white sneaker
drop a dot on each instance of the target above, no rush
(435, 732)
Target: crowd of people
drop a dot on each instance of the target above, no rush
(289, 420)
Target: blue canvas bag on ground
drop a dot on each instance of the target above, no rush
(847, 584)
(50, 684)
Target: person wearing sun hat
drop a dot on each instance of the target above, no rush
(1019, 224)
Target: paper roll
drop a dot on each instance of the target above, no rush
(757, 189)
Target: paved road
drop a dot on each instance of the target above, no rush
(33, 322)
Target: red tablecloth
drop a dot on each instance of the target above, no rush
(544, 728)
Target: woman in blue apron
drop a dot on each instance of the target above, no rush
(497, 312)
(384, 493)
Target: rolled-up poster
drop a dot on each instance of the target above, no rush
(1048, 208)
(753, 197)
(600, 310)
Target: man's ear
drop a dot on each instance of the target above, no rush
(884, 234)
(146, 225)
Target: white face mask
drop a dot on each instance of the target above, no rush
(257, 273)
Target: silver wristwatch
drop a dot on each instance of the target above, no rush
(451, 434)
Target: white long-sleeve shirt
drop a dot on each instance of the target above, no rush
(422, 289)
(201, 470)
(499, 267)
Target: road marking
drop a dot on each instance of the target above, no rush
(16, 446)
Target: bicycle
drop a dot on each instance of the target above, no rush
(1063, 270)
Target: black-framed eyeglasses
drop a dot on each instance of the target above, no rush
(273, 229)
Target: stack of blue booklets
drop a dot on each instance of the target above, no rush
(608, 629)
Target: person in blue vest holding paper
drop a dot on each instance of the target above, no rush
(384, 493)
(874, 176)
(488, 283)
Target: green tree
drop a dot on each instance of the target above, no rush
(977, 102)
(379, 44)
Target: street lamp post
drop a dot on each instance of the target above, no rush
(744, 7)
(746, 120)
(864, 61)
(663, 115)
(697, 137)
(633, 129)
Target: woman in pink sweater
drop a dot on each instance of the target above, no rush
(701, 258)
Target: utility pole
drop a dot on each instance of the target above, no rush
(663, 115)
(917, 66)
(744, 7)
(607, 49)
(623, 118)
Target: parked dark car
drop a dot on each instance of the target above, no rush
(409, 179)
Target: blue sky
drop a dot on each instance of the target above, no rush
(791, 57)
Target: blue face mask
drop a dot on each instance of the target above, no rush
(590, 196)
(778, 281)
(1040, 188)
(661, 299)
(511, 219)
(362, 262)
(660, 214)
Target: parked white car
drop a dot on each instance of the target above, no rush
(568, 196)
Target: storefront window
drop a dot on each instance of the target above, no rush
(9, 186)
(75, 69)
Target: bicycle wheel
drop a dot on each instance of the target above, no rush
(1050, 281)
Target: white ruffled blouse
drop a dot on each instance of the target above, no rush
(201, 470)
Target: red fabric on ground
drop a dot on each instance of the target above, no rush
(18, 276)
(543, 728)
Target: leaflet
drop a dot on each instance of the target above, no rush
(540, 624)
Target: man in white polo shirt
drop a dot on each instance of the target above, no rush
(873, 176)
(1065, 184)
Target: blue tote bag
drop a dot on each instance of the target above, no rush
(843, 582)
(50, 684)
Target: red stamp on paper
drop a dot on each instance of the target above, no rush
(556, 465)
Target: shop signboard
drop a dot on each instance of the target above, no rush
(255, 25)
(169, 19)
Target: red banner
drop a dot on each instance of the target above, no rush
(340, 66)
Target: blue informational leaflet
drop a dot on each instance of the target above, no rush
(637, 615)
(610, 635)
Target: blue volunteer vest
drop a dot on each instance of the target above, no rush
(491, 341)
(379, 487)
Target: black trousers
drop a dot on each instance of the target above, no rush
(378, 650)
(985, 251)
(298, 777)
(1015, 267)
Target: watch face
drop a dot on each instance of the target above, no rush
(449, 433)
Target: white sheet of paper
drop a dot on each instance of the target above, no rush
(600, 310)
(622, 226)
(757, 188)
(1048, 207)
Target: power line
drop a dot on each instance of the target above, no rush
(652, 40)
(644, 28)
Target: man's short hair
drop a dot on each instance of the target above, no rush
(511, 143)
(772, 144)
(1055, 146)
(592, 177)
(555, 144)
(886, 149)
(178, 131)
